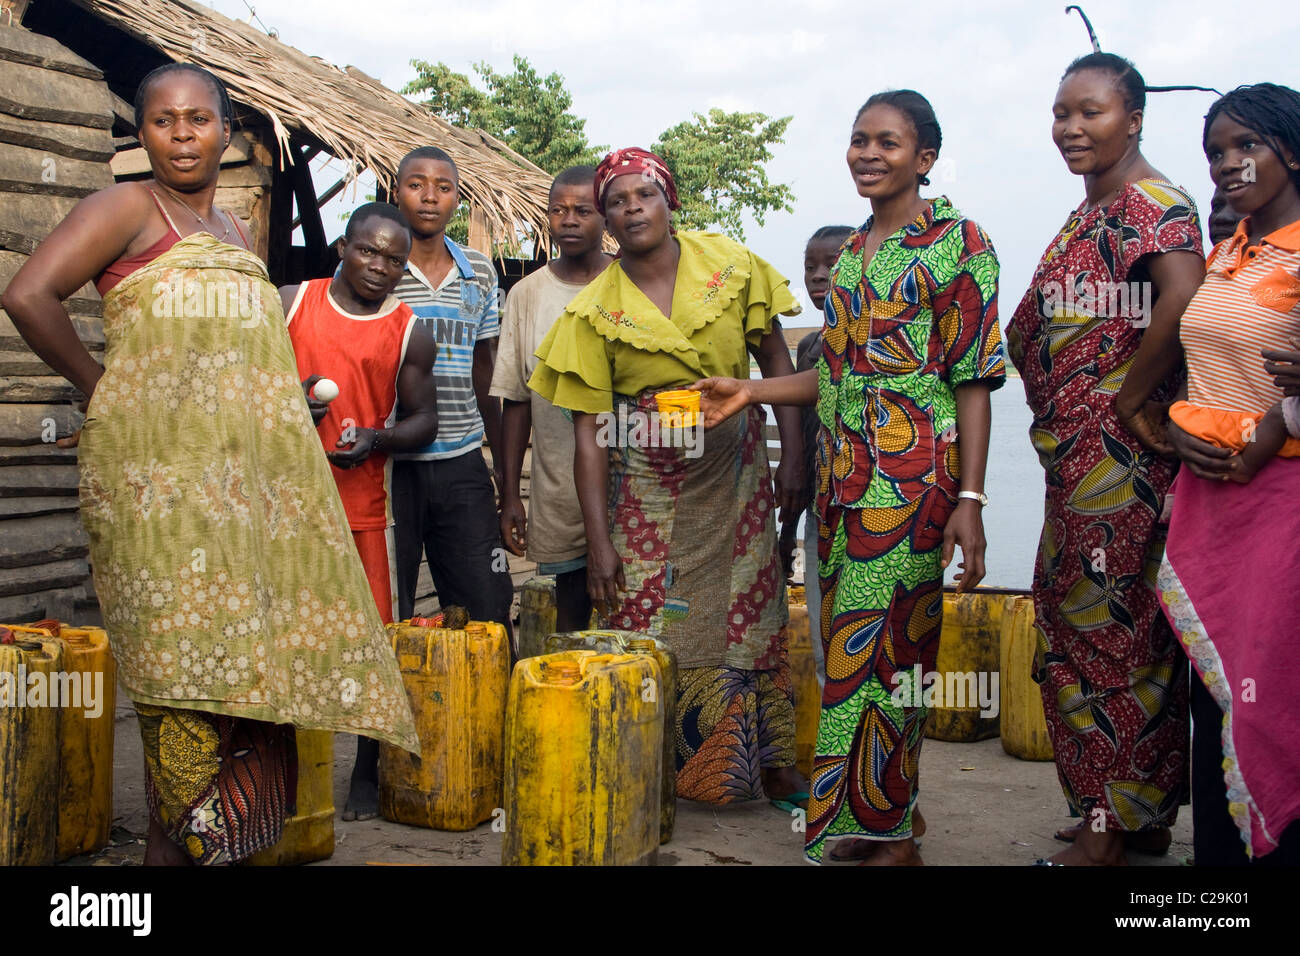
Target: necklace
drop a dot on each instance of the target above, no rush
(202, 222)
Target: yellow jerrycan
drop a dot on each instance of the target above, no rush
(29, 746)
(86, 748)
(536, 614)
(584, 761)
(1024, 728)
(456, 681)
(969, 658)
(630, 642)
(308, 835)
(803, 675)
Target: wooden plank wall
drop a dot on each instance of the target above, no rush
(55, 143)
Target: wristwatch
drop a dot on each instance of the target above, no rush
(979, 496)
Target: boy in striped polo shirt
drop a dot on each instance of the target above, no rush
(443, 499)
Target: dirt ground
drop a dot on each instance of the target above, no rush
(981, 805)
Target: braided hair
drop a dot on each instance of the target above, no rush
(1271, 111)
(921, 114)
(153, 76)
(1131, 85)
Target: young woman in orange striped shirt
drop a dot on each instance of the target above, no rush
(1228, 577)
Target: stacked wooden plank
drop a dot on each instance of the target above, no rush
(55, 143)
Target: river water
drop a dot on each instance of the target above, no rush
(1014, 484)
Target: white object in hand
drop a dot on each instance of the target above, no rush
(325, 391)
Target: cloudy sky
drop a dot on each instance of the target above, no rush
(990, 69)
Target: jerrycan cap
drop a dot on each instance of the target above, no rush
(562, 672)
(76, 636)
(642, 645)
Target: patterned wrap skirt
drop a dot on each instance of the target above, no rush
(695, 527)
(881, 610)
(220, 787)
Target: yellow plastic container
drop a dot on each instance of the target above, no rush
(1024, 728)
(29, 749)
(630, 642)
(456, 680)
(678, 408)
(86, 761)
(584, 760)
(969, 660)
(309, 834)
(536, 614)
(803, 675)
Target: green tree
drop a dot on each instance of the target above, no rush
(718, 160)
(527, 111)
(719, 163)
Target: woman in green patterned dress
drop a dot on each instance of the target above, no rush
(912, 349)
(233, 597)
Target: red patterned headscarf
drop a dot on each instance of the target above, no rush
(635, 160)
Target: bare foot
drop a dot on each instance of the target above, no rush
(1068, 834)
(1154, 842)
(781, 782)
(1093, 849)
(894, 853)
(161, 851)
(847, 851)
(363, 794)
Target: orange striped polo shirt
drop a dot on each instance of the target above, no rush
(1250, 301)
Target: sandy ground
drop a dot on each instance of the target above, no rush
(981, 805)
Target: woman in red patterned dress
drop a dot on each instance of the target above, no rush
(1096, 341)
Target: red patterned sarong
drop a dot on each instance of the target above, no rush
(697, 537)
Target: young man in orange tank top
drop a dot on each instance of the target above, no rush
(352, 330)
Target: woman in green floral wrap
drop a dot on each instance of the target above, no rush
(233, 597)
(911, 350)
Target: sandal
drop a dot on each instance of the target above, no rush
(791, 802)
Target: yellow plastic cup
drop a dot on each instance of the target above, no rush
(679, 408)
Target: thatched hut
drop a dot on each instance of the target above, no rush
(67, 70)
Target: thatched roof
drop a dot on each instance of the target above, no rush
(352, 115)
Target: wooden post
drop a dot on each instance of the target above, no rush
(263, 160)
(313, 229)
(279, 228)
(11, 12)
(479, 236)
